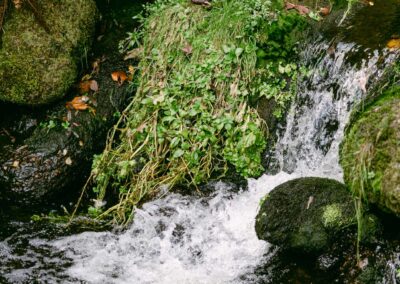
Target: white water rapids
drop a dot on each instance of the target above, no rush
(184, 240)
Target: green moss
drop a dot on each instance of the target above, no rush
(370, 154)
(332, 215)
(37, 67)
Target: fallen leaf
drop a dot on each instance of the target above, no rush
(78, 103)
(325, 11)
(303, 10)
(394, 43)
(289, 6)
(94, 86)
(87, 85)
(84, 87)
(188, 49)
(119, 76)
(15, 164)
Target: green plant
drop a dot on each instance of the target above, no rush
(360, 180)
(65, 124)
(48, 124)
(193, 113)
(350, 4)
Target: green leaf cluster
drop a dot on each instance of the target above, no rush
(193, 114)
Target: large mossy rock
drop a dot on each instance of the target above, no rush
(370, 153)
(305, 214)
(38, 67)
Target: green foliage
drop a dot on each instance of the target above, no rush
(193, 112)
(54, 123)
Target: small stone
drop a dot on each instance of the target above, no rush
(65, 152)
(16, 164)
(68, 161)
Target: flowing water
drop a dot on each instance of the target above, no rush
(187, 239)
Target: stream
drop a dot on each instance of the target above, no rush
(187, 239)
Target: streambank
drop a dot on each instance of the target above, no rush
(46, 153)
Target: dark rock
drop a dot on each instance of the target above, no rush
(53, 160)
(49, 165)
(305, 214)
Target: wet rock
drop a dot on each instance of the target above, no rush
(370, 153)
(53, 162)
(305, 214)
(38, 67)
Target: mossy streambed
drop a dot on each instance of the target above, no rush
(211, 239)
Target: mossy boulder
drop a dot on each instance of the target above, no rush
(370, 153)
(305, 214)
(38, 67)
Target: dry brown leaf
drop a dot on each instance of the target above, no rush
(289, 6)
(78, 103)
(84, 87)
(303, 10)
(119, 76)
(394, 43)
(88, 85)
(94, 86)
(325, 11)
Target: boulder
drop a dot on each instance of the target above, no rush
(51, 164)
(370, 153)
(305, 214)
(43, 159)
(36, 66)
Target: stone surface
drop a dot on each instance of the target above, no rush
(38, 67)
(305, 214)
(370, 153)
